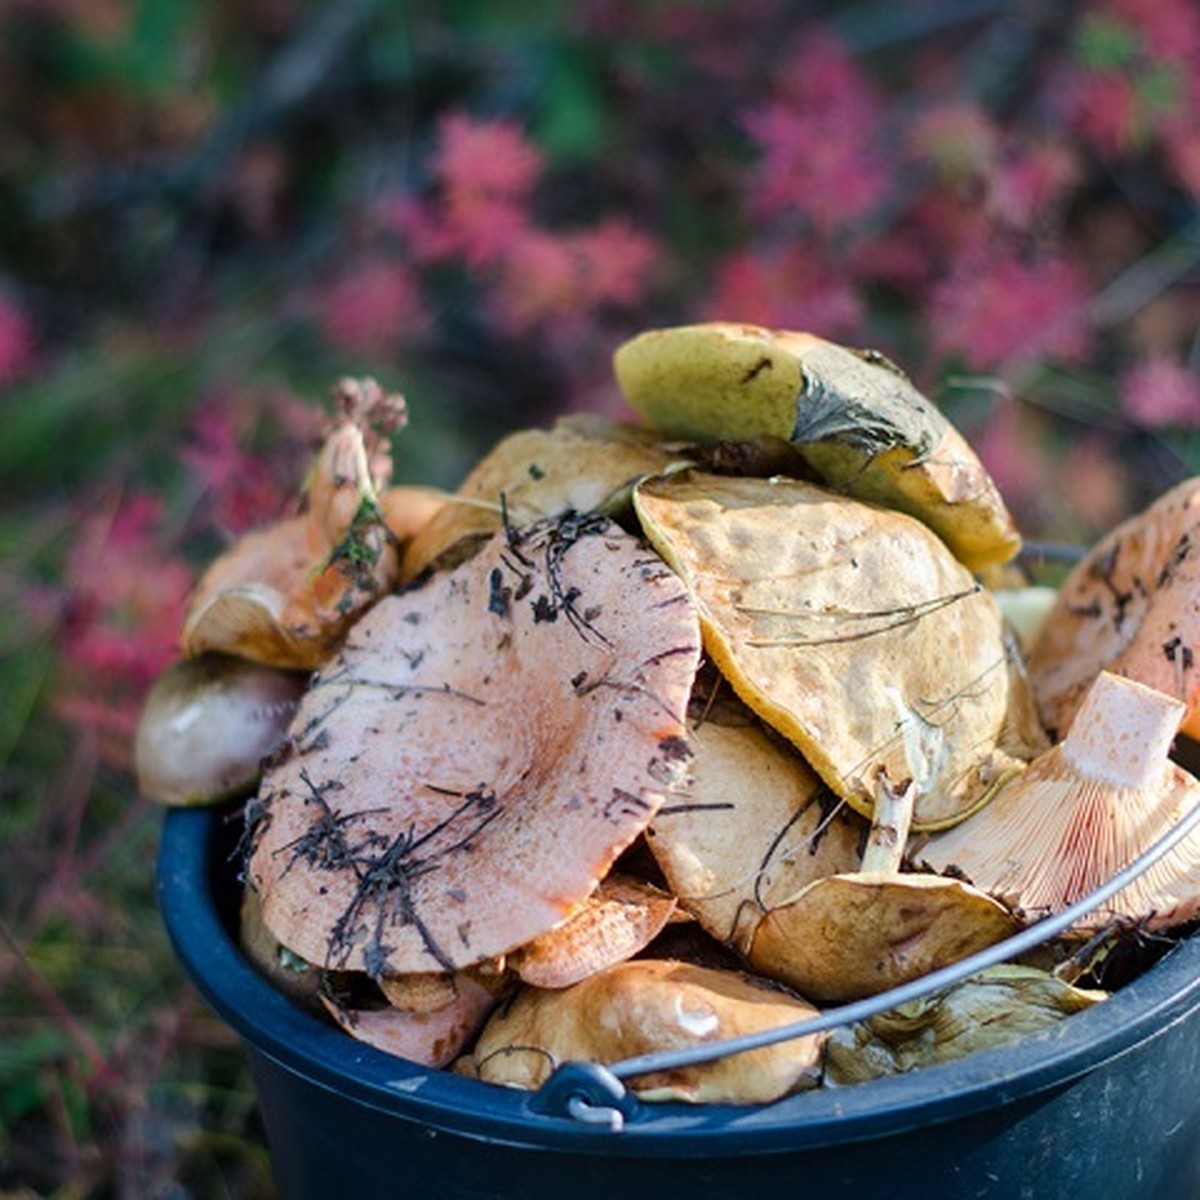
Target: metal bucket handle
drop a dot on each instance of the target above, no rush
(594, 1094)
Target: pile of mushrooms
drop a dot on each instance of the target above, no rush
(660, 733)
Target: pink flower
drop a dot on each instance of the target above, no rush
(1029, 185)
(126, 598)
(794, 289)
(1003, 311)
(539, 279)
(618, 261)
(16, 340)
(485, 158)
(372, 308)
(821, 153)
(242, 488)
(1160, 392)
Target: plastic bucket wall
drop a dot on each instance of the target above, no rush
(1107, 1105)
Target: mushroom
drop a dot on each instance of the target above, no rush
(756, 825)
(620, 918)
(646, 1005)
(1084, 810)
(1130, 606)
(849, 936)
(206, 726)
(997, 1007)
(285, 595)
(434, 1035)
(855, 418)
(461, 776)
(584, 463)
(854, 632)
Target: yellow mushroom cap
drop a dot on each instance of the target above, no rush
(854, 632)
(646, 1005)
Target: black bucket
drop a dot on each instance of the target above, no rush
(1105, 1105)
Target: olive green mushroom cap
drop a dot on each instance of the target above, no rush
(854, 417)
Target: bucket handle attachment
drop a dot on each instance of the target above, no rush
(594, 1094)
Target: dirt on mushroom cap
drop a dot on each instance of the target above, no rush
(854, 632)
(466, 770)
(1130, 606)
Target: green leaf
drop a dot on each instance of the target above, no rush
(1104, 43)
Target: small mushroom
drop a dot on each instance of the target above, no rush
(998, 1007)
(854, 417)
(432, 1036)
(582, 464)
(465, 771)
(618, 920)
(854, 632)
(285, 595)
(849, 936)
(755, 826)
(1084, 810)
(206, 726)
(1130, 606)
(646, 1005)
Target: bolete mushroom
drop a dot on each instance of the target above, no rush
(206, 726)
(1130, 606)
(854, 417)
(646, 1005)
(756, 825)
(461, 776)
(854, 632)
(583, 463)
(854, 935)
(1084, 810)
(996, 1007)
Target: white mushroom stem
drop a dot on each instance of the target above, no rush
(1122, 733)
(889, 827)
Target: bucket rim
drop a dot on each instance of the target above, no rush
(191, 869)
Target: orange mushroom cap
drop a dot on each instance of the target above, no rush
(1130, 606)
(468, 768)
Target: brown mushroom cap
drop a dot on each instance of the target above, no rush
(856, 935)
(1086, 809)
(575, 466)
(470, 765)
(646, 1005)
(854, 632)
(207, 725)
(1130, 606)
(756, 826)
(855, 418)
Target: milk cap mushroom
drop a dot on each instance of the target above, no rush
(462, 775)
(433, 1037)
(1131, 606)
(855, 418)
(854, 632)
(857, 934)
(619, 919)
(646, 1005)
(286, 594)
(1084, 810)
(206, 726)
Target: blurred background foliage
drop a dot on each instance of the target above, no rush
(210, 211)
